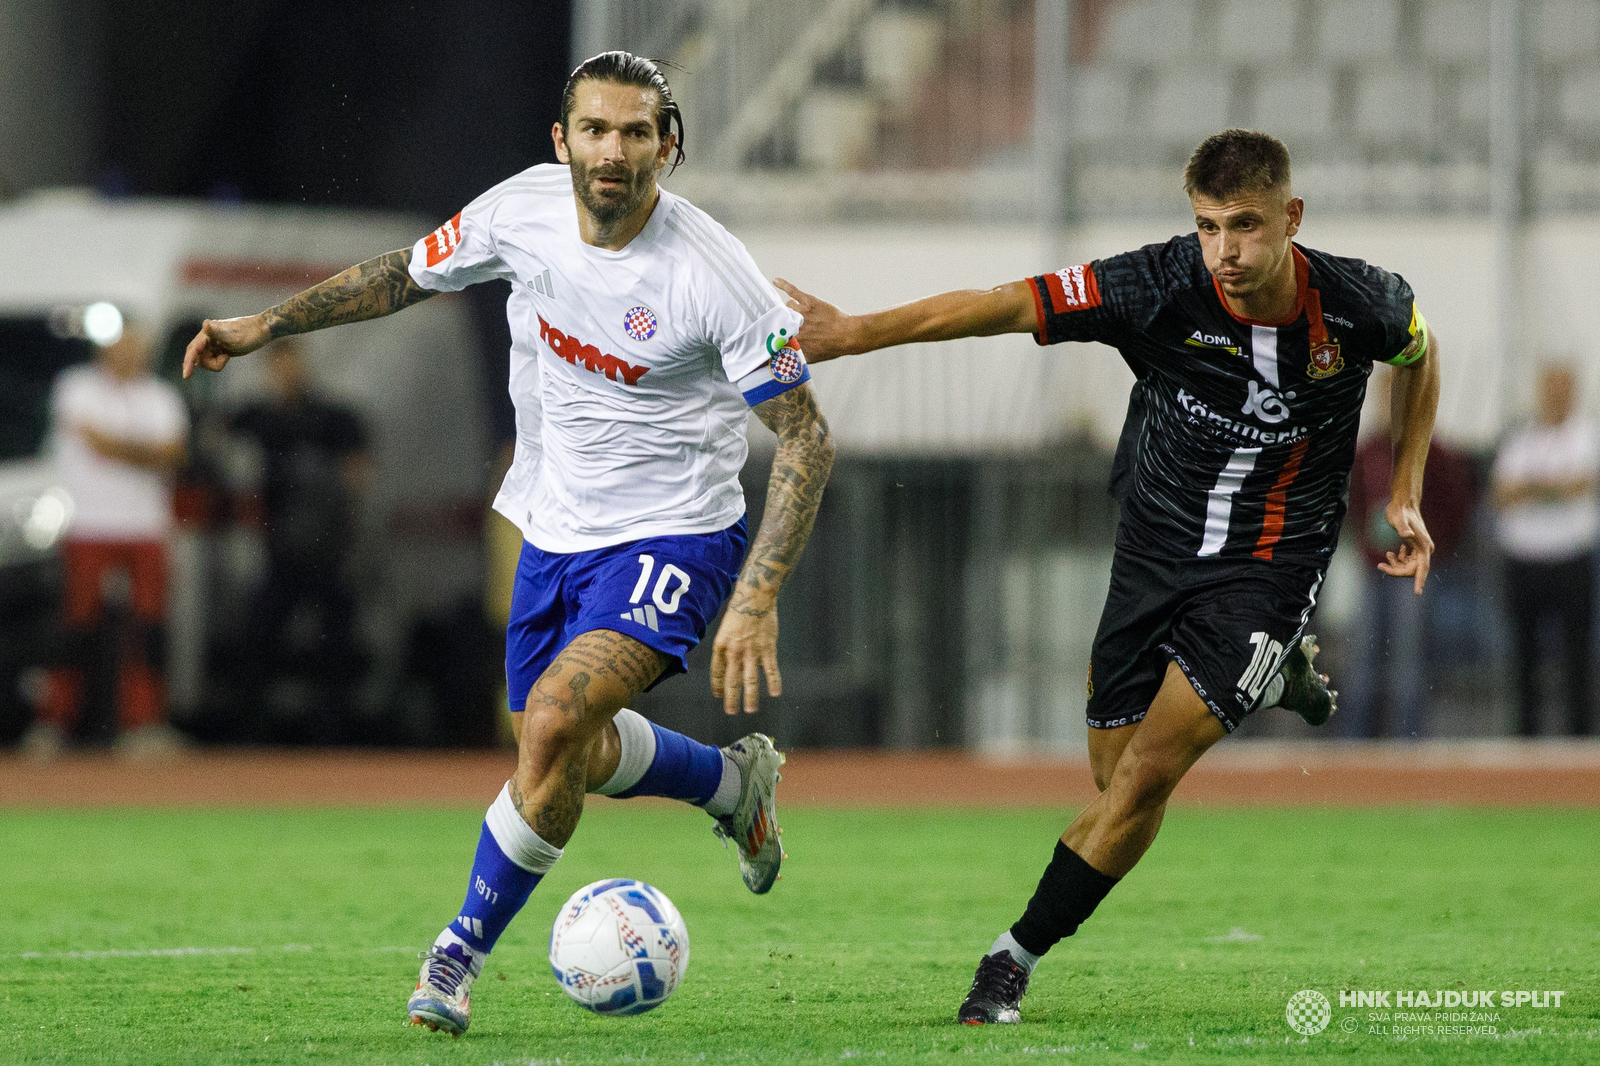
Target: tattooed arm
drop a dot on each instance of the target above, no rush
(377, 287)
(748, 637)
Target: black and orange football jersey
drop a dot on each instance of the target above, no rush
(1249, 428)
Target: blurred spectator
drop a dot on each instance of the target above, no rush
(1549, 522)
(118, 434)
(315, 465)
(1388, 668)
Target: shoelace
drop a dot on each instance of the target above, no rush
(999, 980)
(453, 970)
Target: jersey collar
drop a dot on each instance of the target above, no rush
(1304, 294)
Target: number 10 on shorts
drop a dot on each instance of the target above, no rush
(666, 595)
(1259, 672)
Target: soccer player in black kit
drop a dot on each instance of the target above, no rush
(1252, 355)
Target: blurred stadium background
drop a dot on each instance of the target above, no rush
(186, 160)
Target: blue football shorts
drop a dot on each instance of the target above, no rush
(662, 591)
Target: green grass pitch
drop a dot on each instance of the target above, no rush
(306, 925)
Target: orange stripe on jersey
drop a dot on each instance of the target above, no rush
(1319, 328)
(1040, 335)
(1272, 523)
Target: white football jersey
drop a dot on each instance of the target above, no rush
(114, 500)
(632, 371)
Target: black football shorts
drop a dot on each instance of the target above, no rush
(1226, 621)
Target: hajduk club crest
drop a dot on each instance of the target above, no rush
(639, 323)
(788, 361)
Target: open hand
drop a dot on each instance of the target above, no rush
(747, 642)
(220, 339)
(826, 333)
(1416, 554)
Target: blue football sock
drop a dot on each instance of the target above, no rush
(510, 861)
(682, 768)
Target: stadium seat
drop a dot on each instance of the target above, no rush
(1393, 105)
(1100, 101)
(1579, 105)
(1250, 29)
(1466, 107)
(1566, 29)
(1295, 104)
(1456, 30)
(1150, 31)
(836, 128)
(1187, 106)
(1357, 29)
(899, 48)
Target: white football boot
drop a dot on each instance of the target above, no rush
(753, 825)
(444, 990)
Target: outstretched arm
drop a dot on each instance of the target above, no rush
(829, 333)
(748, 637)
(1413, 400)
(380, 286)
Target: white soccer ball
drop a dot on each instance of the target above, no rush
(619, 947)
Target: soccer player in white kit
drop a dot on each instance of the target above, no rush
(642, 333)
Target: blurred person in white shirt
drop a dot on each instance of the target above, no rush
(118, 435)
(1545, 492)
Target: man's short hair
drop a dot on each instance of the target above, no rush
(1236, 161)
(625, 68)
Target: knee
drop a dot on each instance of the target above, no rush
(549, 726)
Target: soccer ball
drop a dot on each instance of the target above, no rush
(619, 947)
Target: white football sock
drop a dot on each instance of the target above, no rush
(726, 798)
(1019, 954)
(517, 840)
(638, 744)
(1274, 691)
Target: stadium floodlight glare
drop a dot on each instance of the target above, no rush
(102, 323)
(47, 519)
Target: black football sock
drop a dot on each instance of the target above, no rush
(1068, 893)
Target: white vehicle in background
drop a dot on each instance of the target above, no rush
(414, 379)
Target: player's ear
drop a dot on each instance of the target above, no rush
(664, 153)
(559, 136)
(1296, 209)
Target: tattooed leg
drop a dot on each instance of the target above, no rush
(605, 751)
(571, 705)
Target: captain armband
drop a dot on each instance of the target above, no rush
(1419, 340)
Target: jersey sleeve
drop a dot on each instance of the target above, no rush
(1405, 331)
(771, 344)
(1069, 304)
(459, 253)
(1414, 339)
(749, 322)
(1100, 301)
